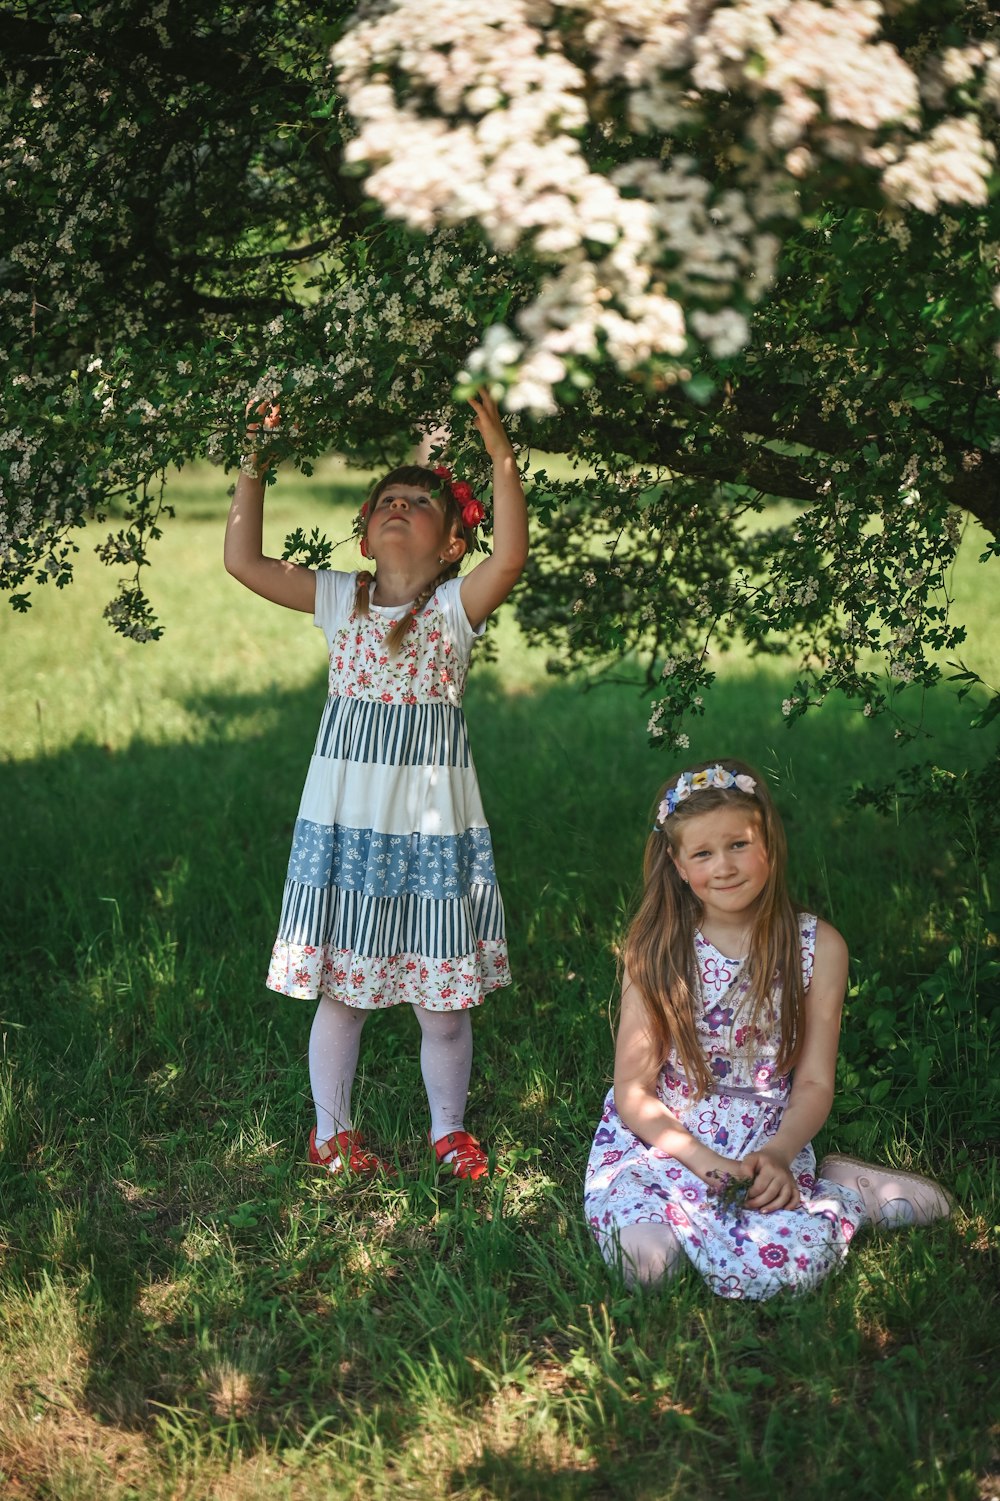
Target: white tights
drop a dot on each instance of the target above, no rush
(445, 1063)
(647, 1254)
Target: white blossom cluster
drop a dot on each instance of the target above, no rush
(17, 510)
(952, 165)
(363, 325)
(496, 116)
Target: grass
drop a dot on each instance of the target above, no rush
(188, 1313)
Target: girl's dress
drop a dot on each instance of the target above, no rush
(391, 892)
(740, 1253)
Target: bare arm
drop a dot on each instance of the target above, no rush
(488, 585)
(284, 583)
(639, 1105)
(813, 1081)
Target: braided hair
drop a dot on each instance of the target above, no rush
(436, 484)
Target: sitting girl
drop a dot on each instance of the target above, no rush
(725, 1062)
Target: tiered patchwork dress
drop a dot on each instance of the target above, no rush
(391, 891)
(740, 1253)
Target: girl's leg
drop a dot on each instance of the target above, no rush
(446, 1065)
(334, 1043)
(649, 1254)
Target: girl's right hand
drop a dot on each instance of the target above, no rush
(716, 1170)
(285, 583)
(270, 411)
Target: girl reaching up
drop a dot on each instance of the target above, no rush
(725, 1062)
(391, 895)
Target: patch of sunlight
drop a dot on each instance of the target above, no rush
(230, 664)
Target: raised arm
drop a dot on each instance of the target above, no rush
(488, 585)
(284, 583)
(637, 1068)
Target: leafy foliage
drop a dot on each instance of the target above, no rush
(187, 233)
(187, 1310)
(869, 400)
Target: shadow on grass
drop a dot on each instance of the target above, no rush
(156, 1094)
(141, 888)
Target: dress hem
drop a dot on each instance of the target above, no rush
(378, 982)
(356, 1005)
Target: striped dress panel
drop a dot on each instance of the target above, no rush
(381, 927)
(380, 734)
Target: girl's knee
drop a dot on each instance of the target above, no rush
(443, 1026)
(646, 1254)
(344, 1016)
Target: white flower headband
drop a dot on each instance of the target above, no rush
(701, 781)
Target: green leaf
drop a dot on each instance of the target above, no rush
(988, 714)
(701, 388)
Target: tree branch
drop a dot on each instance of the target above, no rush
(976, 489)
(755, 466)
(199, 60)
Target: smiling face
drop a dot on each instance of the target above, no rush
(724, 860)
(410, 519)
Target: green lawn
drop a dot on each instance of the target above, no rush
(187, 1311)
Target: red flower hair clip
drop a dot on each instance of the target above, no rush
(473, 511)
(359, 527)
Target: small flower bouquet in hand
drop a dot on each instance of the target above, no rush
(729, 1192)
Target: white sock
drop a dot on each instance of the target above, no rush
(333, 1058)
(446, 1066)
(647, 1253)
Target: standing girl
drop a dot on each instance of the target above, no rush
(725, 1061)
(391, 894)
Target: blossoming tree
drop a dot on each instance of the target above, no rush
(740, 259)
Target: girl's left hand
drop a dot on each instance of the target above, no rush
(488, 423)
(773, 1186)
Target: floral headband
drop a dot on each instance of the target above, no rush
(702, 781)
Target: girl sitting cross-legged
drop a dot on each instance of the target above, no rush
(725, 1061)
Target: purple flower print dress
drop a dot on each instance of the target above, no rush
(740, 1253)
(391, 893)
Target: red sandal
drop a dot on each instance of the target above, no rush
(469, 1161)
(350, 1153)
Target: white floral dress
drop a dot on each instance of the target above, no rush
(391, 892)
(740, 1253)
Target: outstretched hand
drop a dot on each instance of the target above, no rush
(488, 423)
(773, 1186)
(269, 410)
(270, 413)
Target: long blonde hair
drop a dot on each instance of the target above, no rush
(659, 947)
(436, 484)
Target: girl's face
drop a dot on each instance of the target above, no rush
(410, 519)
(723, 858)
